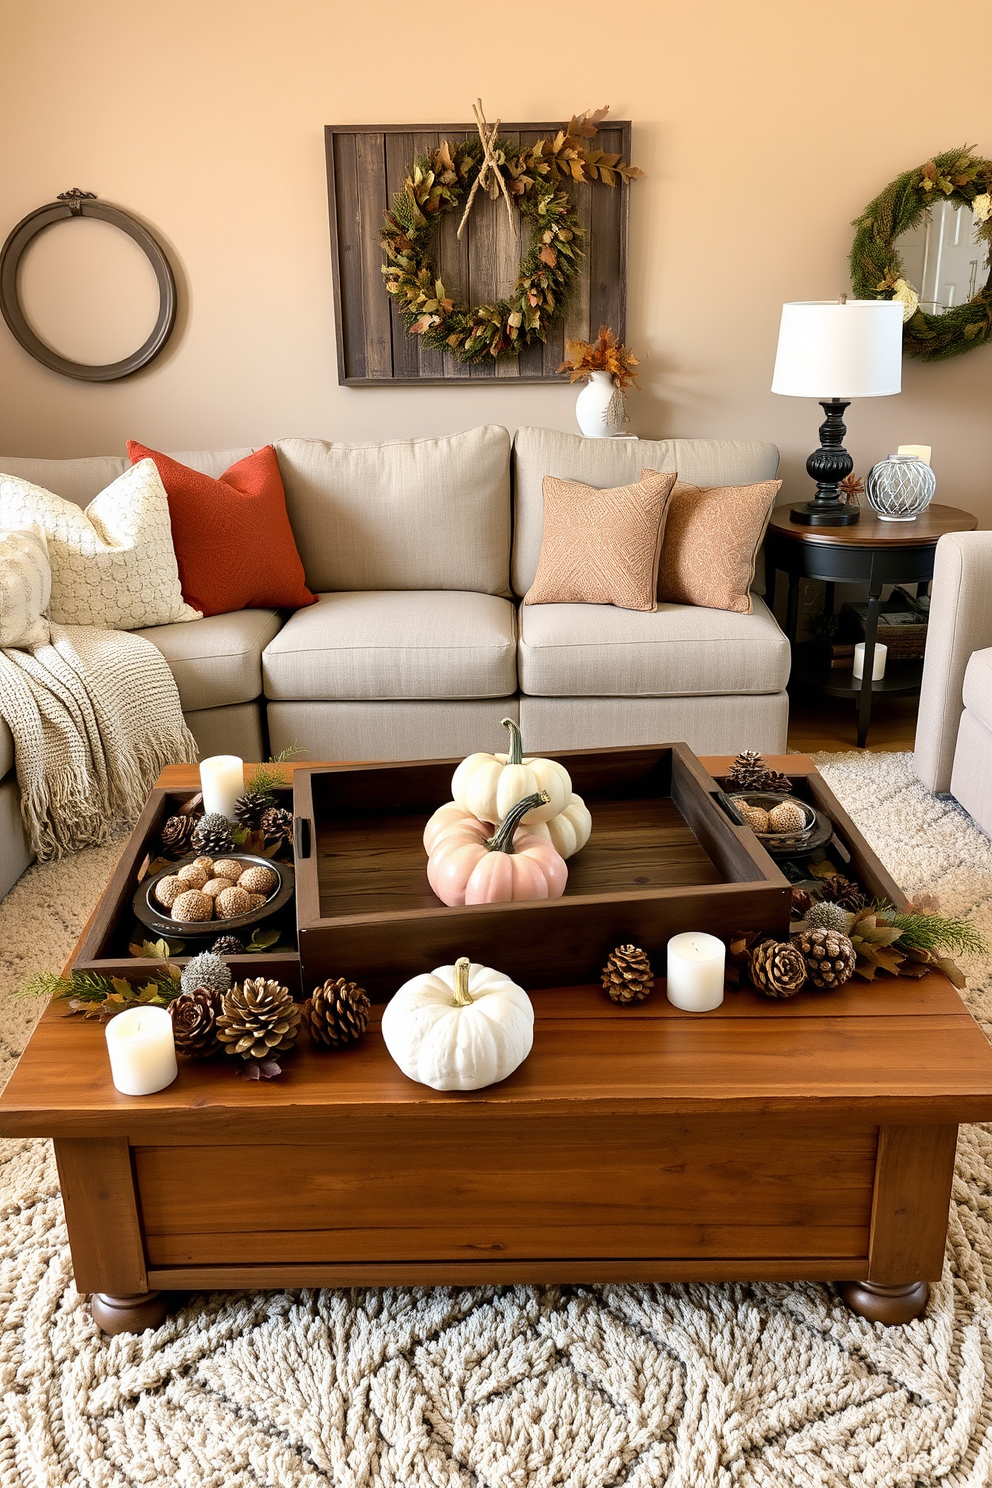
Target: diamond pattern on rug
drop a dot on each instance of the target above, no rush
(747, 1386)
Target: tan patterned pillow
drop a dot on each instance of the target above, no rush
(712, 537)
(602, 547)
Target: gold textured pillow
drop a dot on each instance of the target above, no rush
(712, 537)
(602, 547)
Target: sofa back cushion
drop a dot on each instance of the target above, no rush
(615, 462)
(77, 481)
(407, 514)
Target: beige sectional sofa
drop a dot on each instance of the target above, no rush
(419, 551)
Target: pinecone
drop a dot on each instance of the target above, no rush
(251, 807)
(627, 975)
(259, 1019)
(194, 1023)
(206, 970)
(227, 945)
(337, 1013)
(277, 824)
(842, 891)
(746, 771)
(177, 835)
(827, 916)
(800, 903)
(829, 956)
(777, 968)
(213, 835)
(772, 781)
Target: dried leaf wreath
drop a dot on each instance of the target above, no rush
(532, 176)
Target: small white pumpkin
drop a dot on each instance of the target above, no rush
(459, 1027)
(569, 831)
(488, 785)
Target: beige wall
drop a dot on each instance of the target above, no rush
(764, 127)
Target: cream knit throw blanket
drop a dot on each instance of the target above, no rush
(95, 715)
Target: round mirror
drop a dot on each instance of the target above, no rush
(925, 240)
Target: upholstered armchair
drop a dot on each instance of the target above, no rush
(954, 730)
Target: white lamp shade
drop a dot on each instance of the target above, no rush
(831, 350)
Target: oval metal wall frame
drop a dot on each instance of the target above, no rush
(76, 203)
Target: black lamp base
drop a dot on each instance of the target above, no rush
(828, 466)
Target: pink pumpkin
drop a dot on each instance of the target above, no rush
(467, 865)
(445, 817)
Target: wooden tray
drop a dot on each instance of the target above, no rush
(664, 857)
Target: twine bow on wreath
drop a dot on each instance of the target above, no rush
(490, 177)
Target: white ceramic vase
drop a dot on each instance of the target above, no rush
(592, 407)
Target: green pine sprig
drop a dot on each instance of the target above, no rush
(264, 780)
(935, 933)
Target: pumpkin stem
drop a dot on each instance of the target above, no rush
(463, 998)
(502, 838)
(516, 754)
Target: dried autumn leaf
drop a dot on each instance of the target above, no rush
(548, 255)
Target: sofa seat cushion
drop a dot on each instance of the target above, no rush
(411, 644)
(218, 660)
(678, 651)
(977, 690)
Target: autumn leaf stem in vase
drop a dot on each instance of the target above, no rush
(608, 370)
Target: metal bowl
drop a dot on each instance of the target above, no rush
(152, 914)
(787, 842)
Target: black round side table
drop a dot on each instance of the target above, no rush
(872, 552)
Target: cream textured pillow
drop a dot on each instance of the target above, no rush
(601, 547)
(712, 537)
(25, 588)
(114, 564)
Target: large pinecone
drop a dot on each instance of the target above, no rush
(277, 824)
(259, 1019)
(829, 955)
(337, 1013)
(771, 780)
(842, 891)
(194, 1023)
(177, 835)
(212, 835)
(746, 770)
(627, 975)
(777, 968)
(251, 807)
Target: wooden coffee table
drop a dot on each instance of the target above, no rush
(806, 1140)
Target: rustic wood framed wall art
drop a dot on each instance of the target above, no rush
(70, 204)
(367, 166)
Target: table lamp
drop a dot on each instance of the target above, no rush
(833, 351)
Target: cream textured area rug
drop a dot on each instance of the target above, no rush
(502, 1387)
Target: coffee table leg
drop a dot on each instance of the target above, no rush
(131, 1314)
(885, 1304)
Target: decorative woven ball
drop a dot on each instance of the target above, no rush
(755, 816)
(168, 889)
(258, 880)
(215, 886)
(228, 868)
(193, 876)
(786, 817)
(830, 957)
(257, 900)
(207, 864)
(234, 901)
(193, 906)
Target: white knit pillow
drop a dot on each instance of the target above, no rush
(25, 588)
(114, 564)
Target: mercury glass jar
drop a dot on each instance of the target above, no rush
(900, 487)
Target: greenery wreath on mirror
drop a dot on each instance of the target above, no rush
(876, 267)
(528, 176)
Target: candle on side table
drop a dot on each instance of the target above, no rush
(142, 1050)
(878, 662)
(696, 963)
(222, 781)
(920, 451)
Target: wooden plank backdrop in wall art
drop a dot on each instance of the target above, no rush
(366, 166)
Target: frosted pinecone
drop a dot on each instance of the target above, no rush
(828, 917)
(206, 970)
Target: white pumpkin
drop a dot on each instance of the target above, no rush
(459, 1027)
(487, 785)
(569, 831)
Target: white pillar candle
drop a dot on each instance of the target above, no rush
(920, 451)
(142, 1051)
(222, 781)
(696, 971)
(878, 661)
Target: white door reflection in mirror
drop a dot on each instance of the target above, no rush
(942, 260)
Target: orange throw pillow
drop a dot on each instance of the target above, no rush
(712, 537)
(234, 545)
(601, 547)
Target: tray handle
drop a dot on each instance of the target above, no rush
(729, 808)
(302, 836)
